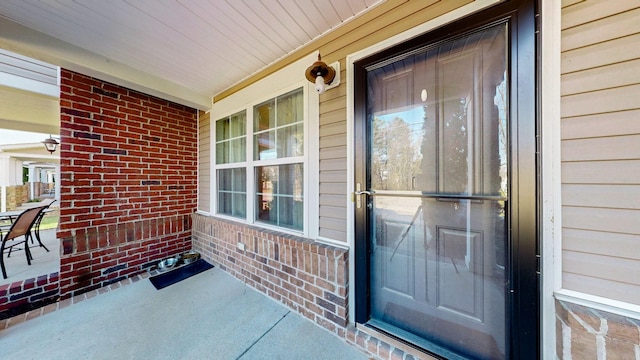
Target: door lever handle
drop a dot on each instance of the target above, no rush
(358, 198)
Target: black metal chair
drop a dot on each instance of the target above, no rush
(36, 226)
(22, 226)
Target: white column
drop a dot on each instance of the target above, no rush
(4, 181)
(32, 179)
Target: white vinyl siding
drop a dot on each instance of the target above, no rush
(333, 164)
(601, 148)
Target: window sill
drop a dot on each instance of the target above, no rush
(599, 303)
(257, 225)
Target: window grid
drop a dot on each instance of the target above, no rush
(231, 171)
(232, 194)
(277, 128)
(231, 139)
(279, 188)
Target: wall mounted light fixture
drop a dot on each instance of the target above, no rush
(50, 144)
(321, 74)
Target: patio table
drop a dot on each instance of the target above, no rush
(9, 215)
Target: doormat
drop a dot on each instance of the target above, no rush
(179, 274)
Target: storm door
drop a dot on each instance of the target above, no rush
(435, 196)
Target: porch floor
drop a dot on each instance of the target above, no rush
(211, 315)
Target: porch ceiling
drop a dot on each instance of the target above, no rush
(182, 50)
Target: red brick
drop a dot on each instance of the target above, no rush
(15, 287)
(27, 285)
(384, 350)
(397, 354)
(325, 285)
(361, 339)
(372, 345)
(95, 122)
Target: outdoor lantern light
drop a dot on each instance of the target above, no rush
(50, 144)
(321, 74)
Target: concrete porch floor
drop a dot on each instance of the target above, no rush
(211, 315)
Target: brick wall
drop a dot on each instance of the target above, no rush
(585, 333)
(16, 196)
(128, 167)
(21, 294)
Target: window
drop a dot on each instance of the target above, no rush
(231, 150)
(232, 192)
(279, 135)
(279, 198)
(279, 127)
(262, 180)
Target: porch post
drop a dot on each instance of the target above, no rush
(4, 182)
(32, 179)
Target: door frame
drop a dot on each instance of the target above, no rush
(524, 311)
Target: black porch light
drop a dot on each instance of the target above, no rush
(50, 144)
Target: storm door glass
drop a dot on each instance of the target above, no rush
(437, 125)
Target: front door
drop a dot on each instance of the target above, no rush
(435, 197)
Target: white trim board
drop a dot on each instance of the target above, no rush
(599, 303)
(284, 80)
(551, 221)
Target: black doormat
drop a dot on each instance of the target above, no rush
(179, 274)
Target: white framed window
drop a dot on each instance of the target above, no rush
(231, 173)
(265, 151)
(278, 160)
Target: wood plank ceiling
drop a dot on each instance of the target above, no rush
(204, 46)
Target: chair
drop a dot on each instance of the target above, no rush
(36, 226)
(20, 227)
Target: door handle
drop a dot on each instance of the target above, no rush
(357, 196)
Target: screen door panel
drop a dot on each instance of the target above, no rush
(437, 124)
